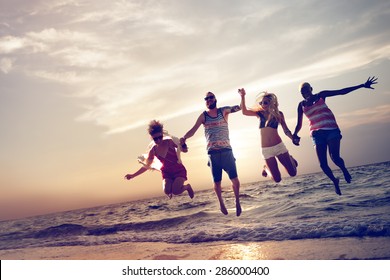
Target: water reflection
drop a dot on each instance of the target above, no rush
(246, 251)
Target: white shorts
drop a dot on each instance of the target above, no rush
(269, 152)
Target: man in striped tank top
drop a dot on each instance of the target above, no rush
(215, 122)
(324, 130)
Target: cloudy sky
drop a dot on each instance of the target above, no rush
(80, 80)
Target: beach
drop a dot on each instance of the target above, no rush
(300, 218)
(309, 249)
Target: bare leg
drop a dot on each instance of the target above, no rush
(337, 187)
(167, 185)
(334, 151)
(289, 163)
(218, 192)
(190, 191)
(178, 187)
(295, 162)
(236, 190)
(322, 158)
(272, 165)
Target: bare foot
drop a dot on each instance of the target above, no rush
(191, 193)
(336, 186)
(264, 173)
(224, 210)
(347, 177)
(238, 209)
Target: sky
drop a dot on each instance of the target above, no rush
(81, 79)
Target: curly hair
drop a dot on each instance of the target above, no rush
(273, 108)
(155, 127)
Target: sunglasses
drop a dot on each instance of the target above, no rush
(209, 98)
(157, 138)
(265, 102)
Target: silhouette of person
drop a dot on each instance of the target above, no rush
(324, 130)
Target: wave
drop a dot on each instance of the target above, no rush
(303, 207)
(61, 230)
(182, 230)
(291, 232)
(65, 230)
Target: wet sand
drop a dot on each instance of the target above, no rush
(308, 249)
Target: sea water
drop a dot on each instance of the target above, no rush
(303, 207)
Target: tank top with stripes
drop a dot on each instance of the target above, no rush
(216, 131)
(320, 116)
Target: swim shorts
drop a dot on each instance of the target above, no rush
(278, 149)
(222, 160)
(322, 136)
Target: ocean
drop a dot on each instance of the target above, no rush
(303, 207)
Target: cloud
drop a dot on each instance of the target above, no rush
(53, 36)
(10, 44)
(86, 58)
(6, 65)
(76, 49)
(378, 114)
(135, 58)
(65, 56)
(125, 106)
(333, 62)
(63, 77)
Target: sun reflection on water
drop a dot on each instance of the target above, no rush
(247, 251)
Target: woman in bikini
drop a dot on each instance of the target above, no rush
(272, 145)
(173, 172)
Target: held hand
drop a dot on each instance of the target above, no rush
(129, 176)
(241, 91)
(370, 81)
(184, 147)
(296, 140)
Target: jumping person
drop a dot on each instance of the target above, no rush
(272, 145)
(173, 172)
(215, 122)
(324, 130)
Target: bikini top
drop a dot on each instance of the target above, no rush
(267, 123)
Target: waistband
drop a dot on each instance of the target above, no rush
(212, 152)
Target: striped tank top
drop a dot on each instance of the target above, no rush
(216, 131)
(320, 116)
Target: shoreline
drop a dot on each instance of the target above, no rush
(343, 248)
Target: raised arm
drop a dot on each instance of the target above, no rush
(244, 109)
(232, 109)
(368, 84)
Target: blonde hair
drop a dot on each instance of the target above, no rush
(273, 108)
